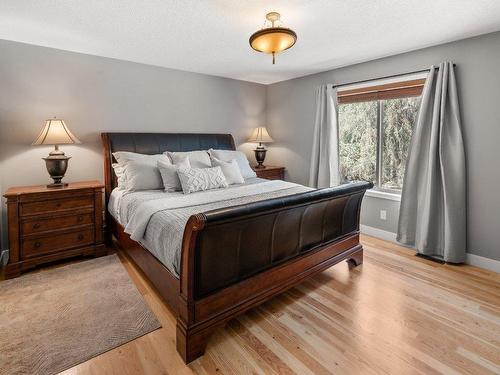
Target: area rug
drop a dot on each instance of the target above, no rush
(58, 318)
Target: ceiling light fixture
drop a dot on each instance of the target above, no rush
(273, 39)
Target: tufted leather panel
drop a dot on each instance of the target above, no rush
(157, 143)
(238, 242)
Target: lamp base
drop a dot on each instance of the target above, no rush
(57, 185)
(57, 164)
(260, 156)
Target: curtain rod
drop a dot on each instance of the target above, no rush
(386, 77)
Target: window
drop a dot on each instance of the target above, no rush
(375, 128)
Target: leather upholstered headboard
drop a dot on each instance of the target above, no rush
(157, 143)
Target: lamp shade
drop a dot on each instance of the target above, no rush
(260, 135)
(55, 132)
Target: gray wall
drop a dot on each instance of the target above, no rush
(95, 94)
(290, 117)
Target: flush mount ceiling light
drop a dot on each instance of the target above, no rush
(273, 39)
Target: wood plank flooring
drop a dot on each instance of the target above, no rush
(396, 314)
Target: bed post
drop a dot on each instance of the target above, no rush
(191, 339)
(108, 187)
(356, 258)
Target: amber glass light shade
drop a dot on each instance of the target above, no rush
(274, 39)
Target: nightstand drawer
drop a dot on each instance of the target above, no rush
(33, 208)
(273, 175)
(49, 244)
(270, 173)
(62, 222)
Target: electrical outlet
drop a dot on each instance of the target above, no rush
(383, 215)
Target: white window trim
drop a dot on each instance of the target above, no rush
(376, 193)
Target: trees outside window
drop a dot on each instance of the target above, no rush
(375, 129)
(398, 118)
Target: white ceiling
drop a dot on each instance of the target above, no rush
(211, 36)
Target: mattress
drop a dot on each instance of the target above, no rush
(156, 219)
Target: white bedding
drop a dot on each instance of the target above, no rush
(157, 219)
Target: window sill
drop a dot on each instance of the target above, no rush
(383, 195)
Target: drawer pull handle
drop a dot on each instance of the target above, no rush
(36, 226)
(80, 237)
(37, 244)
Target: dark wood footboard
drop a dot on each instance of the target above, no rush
(234, 259)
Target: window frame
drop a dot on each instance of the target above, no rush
(394, 90)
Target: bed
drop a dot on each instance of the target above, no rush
(229, 250)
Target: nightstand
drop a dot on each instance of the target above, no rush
(270, 172)
(47, 224)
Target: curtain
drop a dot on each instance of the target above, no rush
(325, 151)
(432, 216)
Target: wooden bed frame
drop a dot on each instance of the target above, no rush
(248, 271)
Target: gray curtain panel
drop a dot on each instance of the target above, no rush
(325, 152)
(432, 216)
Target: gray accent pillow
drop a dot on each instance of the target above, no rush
(200, 179)
(230, 169)
(142, 176)
(169, 174)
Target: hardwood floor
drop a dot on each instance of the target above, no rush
(396, 314)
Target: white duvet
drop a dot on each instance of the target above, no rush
(157, 219)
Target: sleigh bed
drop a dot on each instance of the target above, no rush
(237, 257)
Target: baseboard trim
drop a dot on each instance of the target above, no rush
(379, 233)
(471, 259)
(482, 262)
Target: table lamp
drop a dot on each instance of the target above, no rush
(55, 132)
(261, 136)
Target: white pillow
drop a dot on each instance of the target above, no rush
(200, 179)
(120, 175)
(169, 174)
(230, 169)
(240, 157)
(197, 159)
(140, 171)
(123, 157)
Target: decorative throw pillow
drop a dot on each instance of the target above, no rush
(230, 169)
(197, 159)
(240, 157)
(199, 179)
(169, 174)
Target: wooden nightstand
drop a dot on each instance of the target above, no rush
(270, 172)
(51, 224)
